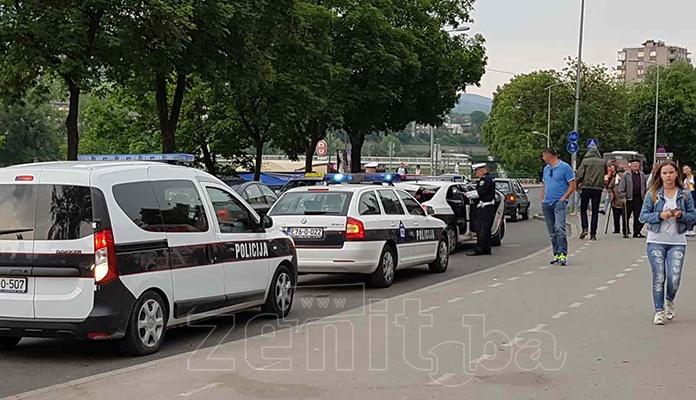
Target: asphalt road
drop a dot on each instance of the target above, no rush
(37, 363)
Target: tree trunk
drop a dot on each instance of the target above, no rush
(317, 133)
(356, 143)
(207, 158)
(169, 122)
(71, 120)
(309, 157)
(259, 160)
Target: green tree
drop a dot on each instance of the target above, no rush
(30, 132)
(478, 118)
(393, 141)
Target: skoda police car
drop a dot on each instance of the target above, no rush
(352, 227)
(124, 250)
(445, 198)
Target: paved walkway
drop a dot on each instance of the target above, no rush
(522, 331)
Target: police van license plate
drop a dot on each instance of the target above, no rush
(306, 233)
(13, 285)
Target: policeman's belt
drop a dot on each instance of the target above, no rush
(485, 203)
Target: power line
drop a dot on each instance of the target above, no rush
(501, 71)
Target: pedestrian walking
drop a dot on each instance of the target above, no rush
(606, 195)
(485, 209)
(690, 186)
(632, 188)
(668, 210)
(402, 169)
(456, 168)
(618, 204)
(558, 184)
(418, 169)
(591, 181)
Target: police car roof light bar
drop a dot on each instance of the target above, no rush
(166, 157)
(362, 178)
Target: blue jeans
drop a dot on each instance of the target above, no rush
(666, 262)
(555, 216)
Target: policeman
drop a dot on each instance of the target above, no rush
(485, 209)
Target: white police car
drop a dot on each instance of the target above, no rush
(360, 228)
(447, 200)
(125, 250)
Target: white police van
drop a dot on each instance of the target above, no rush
(353, 227)
(124, 250)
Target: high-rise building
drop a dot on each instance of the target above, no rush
(634, 61)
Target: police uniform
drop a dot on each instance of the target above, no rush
(485, 211)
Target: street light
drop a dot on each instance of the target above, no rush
(546, 135)
(657, 101)
(574, 157)
(460, 28)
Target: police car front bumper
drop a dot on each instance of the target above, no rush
(352, 258)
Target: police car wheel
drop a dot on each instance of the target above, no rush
(280, 295)
(7, 343)
(146, 327)
(384, 274)
(442, 261)
(452, 238)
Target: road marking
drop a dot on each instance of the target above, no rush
(441, 379)
(514, 278)
(544, 267)
(538, 328)
(513, 342)
(644, 257)
(611, 282)
(529, 272)
(601, 288)
(620, 275)
(635, 265)
(427, 310)
(589, 296)
(454, 300)
(191, 393)
(628, 269)
(575, 305)
(496, 285)
(559, 315)
(477, 292)
(269, 366)
(484, 357)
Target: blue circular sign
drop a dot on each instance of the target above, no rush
(573, 137)
(572, 148)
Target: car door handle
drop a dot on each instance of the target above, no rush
(415, 223)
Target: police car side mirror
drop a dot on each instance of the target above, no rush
(526, 190)
(429, 210)
(266, 221)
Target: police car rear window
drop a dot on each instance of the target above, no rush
(312, 203)
(45, 212)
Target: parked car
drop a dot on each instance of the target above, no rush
(516, 200)
(300, 182)
(258, 195)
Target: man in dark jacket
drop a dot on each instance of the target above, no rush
(632, 188)
(591, 180)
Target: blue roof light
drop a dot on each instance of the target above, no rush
(362, 178)
(137, 157)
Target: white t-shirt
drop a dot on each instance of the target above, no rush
(669, 230)
(689, 184)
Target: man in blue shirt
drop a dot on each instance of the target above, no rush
(558, 182)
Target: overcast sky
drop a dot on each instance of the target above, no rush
(527, 35)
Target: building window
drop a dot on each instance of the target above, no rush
(640, 64)
(622, 56)
(641, 54)
(653, 54)
(640, 72)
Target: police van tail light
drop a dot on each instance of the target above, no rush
(104, 257)
(355, 230)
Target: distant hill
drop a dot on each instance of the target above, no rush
(469, 103)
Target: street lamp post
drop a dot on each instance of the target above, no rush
(657, 102)
(548, 128)
(574, 157)
(547, 136)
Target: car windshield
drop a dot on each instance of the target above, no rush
(312, 203)
(503, 186)
(426, 192)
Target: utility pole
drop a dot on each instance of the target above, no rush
(574, 158)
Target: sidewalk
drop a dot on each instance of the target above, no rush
(522, 331)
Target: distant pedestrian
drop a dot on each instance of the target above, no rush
(456, 168)
(608, 181)
(668, 210)
(558, 184)
(418, 169)
(591, 180)
(402, 169)
(690, 186)
(618, 205)
(632, 188)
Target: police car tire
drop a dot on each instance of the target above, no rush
(7, 343)
(452, 238)
(438, 266)
(271, 308)
(377, 278)
(131, 344)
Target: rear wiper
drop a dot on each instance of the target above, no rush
(18, 230)
(316, 212)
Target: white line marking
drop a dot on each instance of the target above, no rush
(529, 272)
(514, 278)
(628, 269)
(543, 267)
(635, 265)
(538, 328)
(191, 393)
(441, 379)
(644, 257)
(611, 282)
(477, 292)
(513, 342)
(559, 315)
(427, 310)
(496, 285)
(589, 296)
(454, 300)
(483, 358)
(575, 305)
(602, 288)
(269, 365)
(620, 275)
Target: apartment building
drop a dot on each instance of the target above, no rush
(634, 61)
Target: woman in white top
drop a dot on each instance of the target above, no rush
(668, 210)
(690, 185)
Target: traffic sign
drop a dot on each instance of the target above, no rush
(572, 148)
(322, 148)
(592, 142)
(573, 137)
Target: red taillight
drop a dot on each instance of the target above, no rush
(104, 257)
(511, 197)
(24, 178)
(355, 230)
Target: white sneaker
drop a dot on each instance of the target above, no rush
(669, 310)
(659, 318)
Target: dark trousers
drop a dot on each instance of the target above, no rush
(618, 219)
(486, 215)
(633, 207)
(587, 195)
